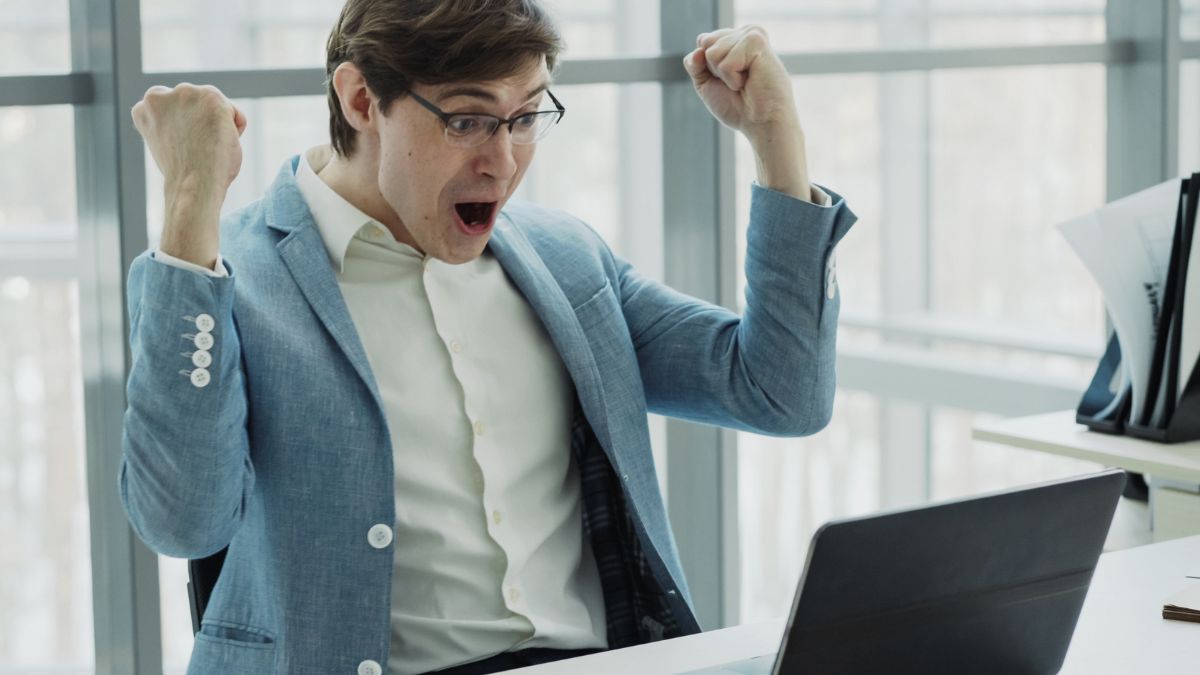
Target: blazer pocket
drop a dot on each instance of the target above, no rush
(599, 306)
(223, 647)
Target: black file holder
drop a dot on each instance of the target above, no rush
(1184, 424)
(1178, 420)
(1103, 409)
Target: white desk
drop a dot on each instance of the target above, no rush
(1057, 433)
(1173, 512)
(1121, 629)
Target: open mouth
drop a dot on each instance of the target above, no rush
(475, 217)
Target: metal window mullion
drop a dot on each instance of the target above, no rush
(698, 222)
(110, 180)
(904, 111)
(912, 374)
(1143, 95)
(264, 83)
(65, 89)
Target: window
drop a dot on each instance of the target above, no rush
(958, 177)
(232, 34)
(836, 25)
(1189, 109)
(950, 277)
(45, 559)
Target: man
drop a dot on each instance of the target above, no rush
(415, 413)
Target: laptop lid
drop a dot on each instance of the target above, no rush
(987, 584)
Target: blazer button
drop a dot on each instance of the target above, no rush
(203, 341)
(379, 536)
(369, 667)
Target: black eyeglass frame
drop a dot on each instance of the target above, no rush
(446, 117)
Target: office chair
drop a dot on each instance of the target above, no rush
(202, 578)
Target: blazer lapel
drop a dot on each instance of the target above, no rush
(304, 253)
(527, 270)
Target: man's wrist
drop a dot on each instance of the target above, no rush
(191, 228)
(781, 160)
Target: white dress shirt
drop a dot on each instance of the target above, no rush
(490, 554)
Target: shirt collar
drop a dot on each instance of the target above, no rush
(337, 220)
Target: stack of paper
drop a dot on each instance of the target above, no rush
(1139, 250)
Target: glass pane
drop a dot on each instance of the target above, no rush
(834, 25)
(35, 37)
(787, 488)
(1189, 24)
(233, 34)
(604, 164)
(37, 185)
(1013, 152)
(177, 636)
(1189, 109)
(962, 466)
(45, 559)
(840, 115)
(1071, 371)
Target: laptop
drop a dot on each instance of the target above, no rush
(989, 584)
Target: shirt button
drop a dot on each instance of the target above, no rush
(203, 341)
(831, 289)
(479, 428)
(205, 323)
(455, 346)
(369, 667)
(380, 536)
(201, 358)
(497, 517)
(514, 595)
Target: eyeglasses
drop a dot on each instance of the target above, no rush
(467, 130)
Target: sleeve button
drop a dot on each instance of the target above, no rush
(205, 323)
(200, 378)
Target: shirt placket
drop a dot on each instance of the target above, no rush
(452, 317)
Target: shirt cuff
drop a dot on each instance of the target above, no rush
(219, 272)
(819, 197)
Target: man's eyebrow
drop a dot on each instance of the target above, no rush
(481, 93)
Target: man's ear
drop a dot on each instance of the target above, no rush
(356, 98)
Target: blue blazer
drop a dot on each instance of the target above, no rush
(285, 458)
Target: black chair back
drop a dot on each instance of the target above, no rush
(202, 578)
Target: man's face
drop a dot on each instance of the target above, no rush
(447, 197)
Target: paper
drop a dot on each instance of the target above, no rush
(1183, 606)
(1126, 246)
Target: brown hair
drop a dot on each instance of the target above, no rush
(398, 43)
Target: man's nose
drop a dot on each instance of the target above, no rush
(496, 158)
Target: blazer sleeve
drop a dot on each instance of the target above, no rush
(771, 370)
(185, 474)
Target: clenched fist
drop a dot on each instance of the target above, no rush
(747, 88)
(193, 134)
